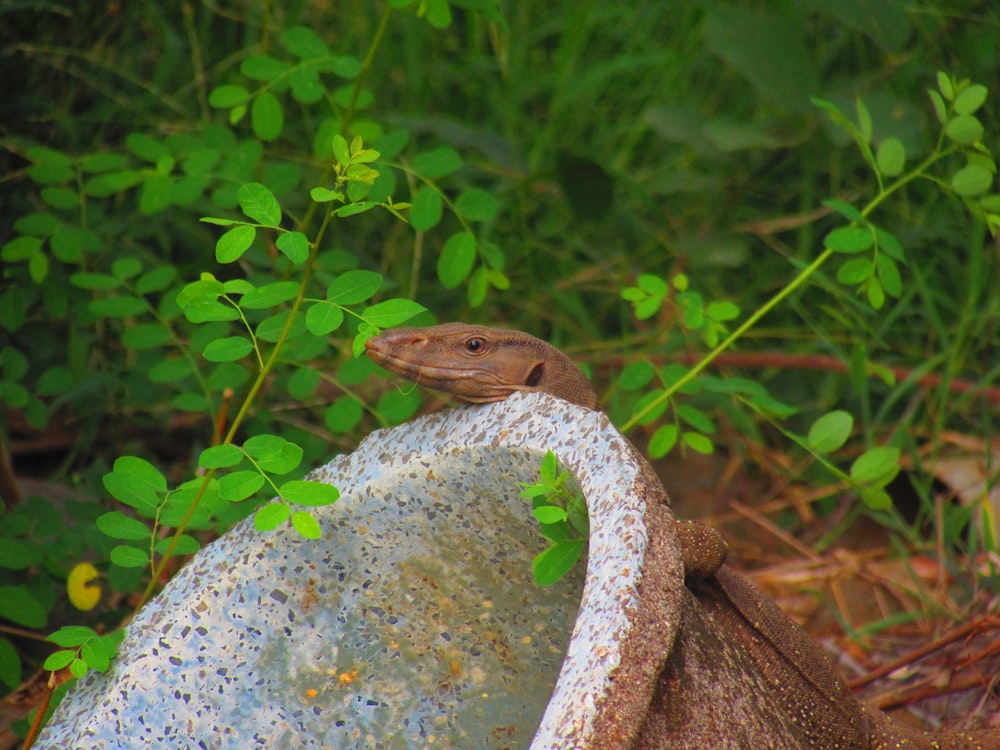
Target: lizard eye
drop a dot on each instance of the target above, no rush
(475, 345)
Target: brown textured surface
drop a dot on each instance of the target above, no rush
(689, 689)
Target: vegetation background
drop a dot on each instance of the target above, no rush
(629, 181)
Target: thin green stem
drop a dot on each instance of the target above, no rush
(241, 415)
(760, 312)
(366, 66)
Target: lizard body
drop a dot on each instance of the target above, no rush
(482, 364)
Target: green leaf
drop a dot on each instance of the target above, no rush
(392, 312)
(438, 13)
(549, 514)
(46, 155)
(18, 605)
(323, 318)
(636, 375)
(172, 370)
(846, 210)
(10, 665)
(21, 248)
(129, 557)
(971, 99)
(456, 260)
(58, 660)
(652, 285)
(240, 485)
(303, 383)
(849, 239)
(325, 195)
(304, 43)
(864, 120)
(888, 274)
(426, 209)
(940, 109)
(225, 97)
(273, 454)
(259, 203)
(553, 563)
(353, 209)
(647, 399)
(722, 311)
(50, 174)
(61, 198)
(269, 295)
(890, 245)
(18, 554)
(343, 415)
(478, 286)
(945, 86)
(96, 655)
(186, 545)
(696, 418)
(271, 516)
(155, 280)
(397, 406)
(965, 130)
(307, 526)
(830, 431)
(303, 492)
(353, 287)
(437, 163)
(71, 636)
(476, 205)
(891, 157)
(263, 68)
(971, 181)
(266, 116)
(146, 147)
(234, 242)
(663, 440)
(37, 224)
(877, 466)
(698, 442)
(294, 246)
(119, 526)
(854, 271)
(104, 185)
(341, 151)
(270, 328)
(135, 482)
(78, 668)
(121, 306)
(875, 498)
(220, 457)
(228, 349)
(875, 292)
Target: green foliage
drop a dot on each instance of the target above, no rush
(82, 650)
(712, 164)
(562, 513)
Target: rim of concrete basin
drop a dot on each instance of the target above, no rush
(412, 622)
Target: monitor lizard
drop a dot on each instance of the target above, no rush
(482, 364)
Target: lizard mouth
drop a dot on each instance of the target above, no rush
(469, 384)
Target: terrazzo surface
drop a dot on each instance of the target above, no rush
(412, 623)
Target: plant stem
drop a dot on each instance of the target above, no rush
(760, 312)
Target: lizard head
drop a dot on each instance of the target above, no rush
(479, 363)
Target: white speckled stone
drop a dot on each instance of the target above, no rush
(413, 622)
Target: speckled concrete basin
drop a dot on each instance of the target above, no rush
(412, 623)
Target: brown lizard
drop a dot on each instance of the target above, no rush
(481, 364)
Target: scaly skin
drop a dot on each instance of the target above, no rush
(482, 364)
